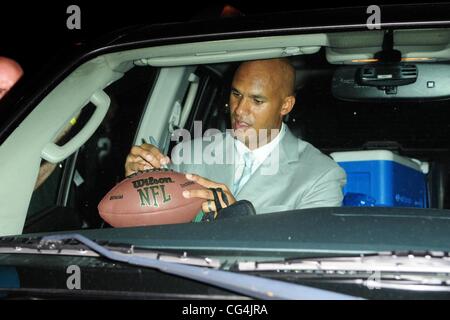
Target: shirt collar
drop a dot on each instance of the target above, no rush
(261, 153)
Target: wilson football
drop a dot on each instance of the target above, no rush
(150, 197)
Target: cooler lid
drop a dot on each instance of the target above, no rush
(376, 155)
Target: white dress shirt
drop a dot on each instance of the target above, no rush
(258, 155)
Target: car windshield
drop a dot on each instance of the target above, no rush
(297, 146)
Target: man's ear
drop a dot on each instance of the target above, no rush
(287, 105)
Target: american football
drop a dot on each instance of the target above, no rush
(151, 197)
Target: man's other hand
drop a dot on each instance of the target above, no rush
(208, 205)
(144, 157)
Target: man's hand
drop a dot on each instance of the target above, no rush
(144, 157)
(208, 205)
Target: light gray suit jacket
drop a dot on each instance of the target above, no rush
(306, 178)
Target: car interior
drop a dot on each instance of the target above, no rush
(345, 107)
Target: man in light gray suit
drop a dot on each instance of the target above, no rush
(260, 160)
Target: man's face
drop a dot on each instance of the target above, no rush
(257, 101)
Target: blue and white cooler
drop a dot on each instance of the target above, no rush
(381, 178)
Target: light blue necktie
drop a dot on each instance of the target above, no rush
(246, 173)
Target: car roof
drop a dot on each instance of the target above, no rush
(317, 20)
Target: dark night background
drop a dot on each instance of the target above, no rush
(33, 33)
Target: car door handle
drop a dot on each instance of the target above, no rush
(54, 153)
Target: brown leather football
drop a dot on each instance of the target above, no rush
(150, 197)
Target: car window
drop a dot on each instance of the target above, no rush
(212, 102)
(411, 129)
(210, 108)
(98, 165)
(45, 195)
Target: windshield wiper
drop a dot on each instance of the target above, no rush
(248, 285)
(73, 247)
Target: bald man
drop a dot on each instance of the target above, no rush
(270, 167)
(10, 73)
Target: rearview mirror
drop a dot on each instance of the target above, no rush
(395, 81)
